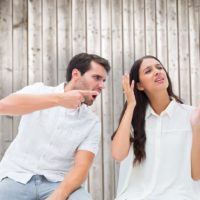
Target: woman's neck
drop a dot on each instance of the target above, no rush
(159, 102)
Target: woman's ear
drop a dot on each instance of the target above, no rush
(76, 74)
(139, 86)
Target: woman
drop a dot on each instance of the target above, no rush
(154, 137)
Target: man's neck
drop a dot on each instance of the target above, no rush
(68, 86)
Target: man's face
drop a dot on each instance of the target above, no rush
(93, 79)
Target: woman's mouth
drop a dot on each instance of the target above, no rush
(159, 80)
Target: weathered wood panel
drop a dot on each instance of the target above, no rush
(78, 27)
(49, 41)
(117, 65)
(150, 27)
(64, 37)
(173, 67)
(6, 67)
(183, 48)
(93, 45)
(20, 26)
(161, 31)
(194, 32)
(139, 28)
(39, 37)
(35, 56)
(107, 103)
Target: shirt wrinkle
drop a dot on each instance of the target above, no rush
(166, 172)
(48, 139)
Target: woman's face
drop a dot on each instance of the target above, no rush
(152, 76)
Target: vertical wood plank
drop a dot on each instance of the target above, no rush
(117, 58)
(64, 37)
(128, 35)
(20, 26)
(119, 30)
(78, 27)
(139, 7)
(1, 135)
(194, 32)
(107, 100)
(117, 65)
(173, 66)
(183, 47)
(6, 66)
(161, 31)
(49, 42)
(93, 46)
(35, 73)
(150, 27)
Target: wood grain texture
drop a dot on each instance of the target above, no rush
(39, 37)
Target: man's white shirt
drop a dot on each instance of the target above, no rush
(48, 139)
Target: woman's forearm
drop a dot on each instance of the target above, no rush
(121, 140)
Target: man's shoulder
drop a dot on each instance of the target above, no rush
(47, 88)
(39, 88)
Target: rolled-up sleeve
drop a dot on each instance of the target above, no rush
(91, 142)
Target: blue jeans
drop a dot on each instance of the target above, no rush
(38, 188)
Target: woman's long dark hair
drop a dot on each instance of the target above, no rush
(138, 120)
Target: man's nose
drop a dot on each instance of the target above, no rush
(102, 85)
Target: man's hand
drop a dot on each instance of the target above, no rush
(56, 195)
(74, 98)
(75, 177)
(20, 104)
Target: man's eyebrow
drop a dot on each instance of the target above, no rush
(99, 76)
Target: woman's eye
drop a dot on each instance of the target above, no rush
(147, 72)
(159, 67)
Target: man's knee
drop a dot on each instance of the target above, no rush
(80, 194)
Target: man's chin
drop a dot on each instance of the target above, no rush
(88, 103)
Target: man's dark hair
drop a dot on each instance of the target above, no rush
(82, 62)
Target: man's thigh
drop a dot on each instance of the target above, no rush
(80, 194)
(10, 189)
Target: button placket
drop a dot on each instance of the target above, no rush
(157, 152)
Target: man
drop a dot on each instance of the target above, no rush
(58, 135)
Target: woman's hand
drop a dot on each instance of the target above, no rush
(128, 90)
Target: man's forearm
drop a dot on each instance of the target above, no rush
(71, 182)
(24, 104)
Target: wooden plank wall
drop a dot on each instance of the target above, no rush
(38, 38)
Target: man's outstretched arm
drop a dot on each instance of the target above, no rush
(20, 104)
(195, 122)
(75, 177)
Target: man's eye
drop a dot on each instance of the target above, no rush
(97, 78)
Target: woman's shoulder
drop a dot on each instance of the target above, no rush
(184, 108)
